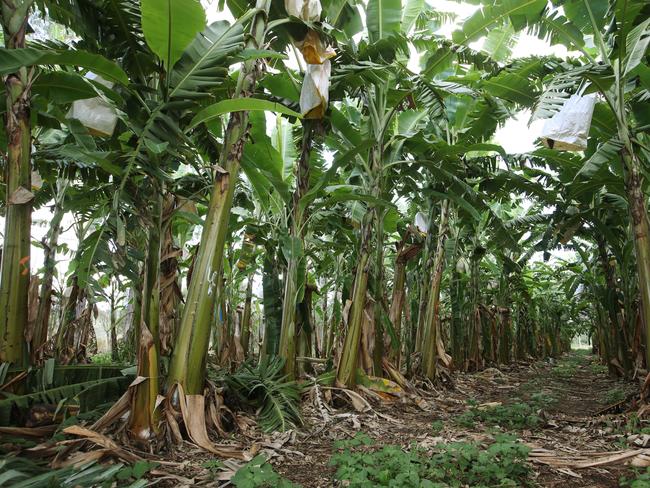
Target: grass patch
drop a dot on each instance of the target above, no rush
(458, 464)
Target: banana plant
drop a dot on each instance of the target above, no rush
(192, 341)
(615, 68)
(15, 273)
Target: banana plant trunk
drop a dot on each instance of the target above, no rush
(246, 317)
(50, 243)
(505, 335)
(612, 306)
(171, 295)
(377, 289)
(639, 212)
(347, 367)
(404, 254)
(113, 312)
(396, 308)
(432, 316)
(62, 341)
(144, 417)
(325, 330)
(14, 270)
(335, 320)
(425, 275)
(272, 292)
(188, 362)
(475, 334)
(456, 298)
(291, 283)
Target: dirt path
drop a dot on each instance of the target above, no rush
(573, 394)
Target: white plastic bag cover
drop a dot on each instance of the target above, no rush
(421, 222)
(568, 130)
(304, 9)
(315, 90)
(98, 116)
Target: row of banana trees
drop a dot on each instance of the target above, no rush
(352, 211)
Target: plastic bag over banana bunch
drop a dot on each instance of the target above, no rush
(313, 50)
(308, 10)
(314, 95)
(97, 115)
(568, 130)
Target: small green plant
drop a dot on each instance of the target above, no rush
(437, 426)
(360, 439)
(542, 400)
(614, 395)
(568, 366)
(634, 425)
(101, 358)
(511, 416)
(565, 370)
(597, 368)
(265, 387)
(135, 472)
(642, 480)
(531, 385)
(212, 465)
(257, 473)
(502, 464)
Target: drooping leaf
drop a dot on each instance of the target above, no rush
(13, 59)
(407, 122)
(578, 12)
(63, 87)
(282, 85)
(240, 105)
(89, 394)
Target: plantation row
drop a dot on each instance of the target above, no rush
(290, 184)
